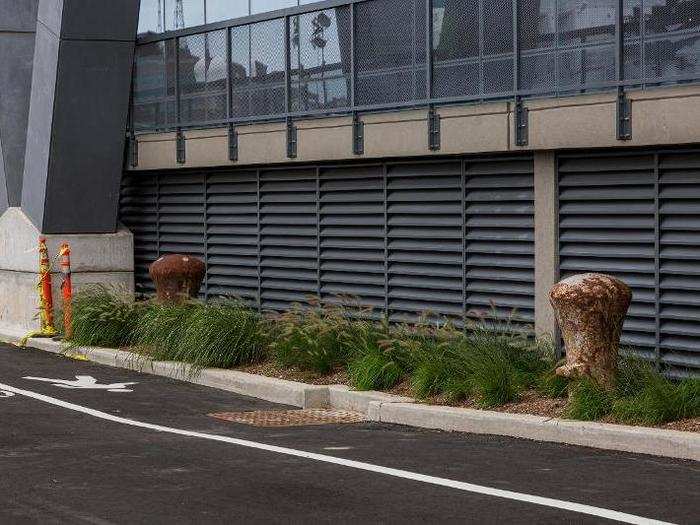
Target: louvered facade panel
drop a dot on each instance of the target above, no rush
(607, 224)
(425, 219)
(352, 236)
(181, 213)
(499, 242)
(637, 216)
(288, 237)
(232, 235)
(139, 213)
(679, 261)
(441, 237)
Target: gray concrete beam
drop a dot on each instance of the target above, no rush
(546, 235)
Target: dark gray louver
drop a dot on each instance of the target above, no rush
(139, 213)
(406, 238)
(637, 216)
(232, 235)
(288, 236)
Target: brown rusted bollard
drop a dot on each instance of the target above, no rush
(177, 277)
(591, 309)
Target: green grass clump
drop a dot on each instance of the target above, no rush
(159, 328)
(494, 376)
(492, 362)
(588, 400)
(311, 338)
(103, 317)
(643, 396)
(551, 385)
(377, 359)
(218, 335)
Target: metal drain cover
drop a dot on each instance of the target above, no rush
(291, 418)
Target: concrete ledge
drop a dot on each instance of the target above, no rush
(639, 440)
(267, 388)
(387, 408)
(343, 398)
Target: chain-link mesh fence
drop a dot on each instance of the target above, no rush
(374, 54)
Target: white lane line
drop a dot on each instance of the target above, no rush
(397, 473)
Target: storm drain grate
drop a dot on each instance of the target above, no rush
(291, 418)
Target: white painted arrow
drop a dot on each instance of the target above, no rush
(84, 382)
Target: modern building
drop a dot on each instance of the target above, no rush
(435, 156)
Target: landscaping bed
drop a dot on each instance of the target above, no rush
(489, 364)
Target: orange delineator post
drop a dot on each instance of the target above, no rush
(45, 292)
(66, 290)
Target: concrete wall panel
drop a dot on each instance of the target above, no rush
(79, 106)
(91, 20)
(18, 15)
(475, 133)
(16, 57)
(40, 123)
(85, 169)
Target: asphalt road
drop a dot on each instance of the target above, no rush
(154, 455)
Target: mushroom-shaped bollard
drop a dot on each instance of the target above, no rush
(177, 277)
(591, 309)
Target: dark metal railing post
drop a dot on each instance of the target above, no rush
(232, 134)
(287, 67)
(520, 112)
(429, 50)
(229, 83)
(291, 128)
(358, 127)
(434, 139)
(623, 113)
(353, 74)
(133, 149)
(180, 138)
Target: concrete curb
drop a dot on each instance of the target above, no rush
(267, 388)
(387, 408)
(640, 440)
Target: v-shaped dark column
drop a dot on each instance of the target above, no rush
(17, 26)
(78, 114)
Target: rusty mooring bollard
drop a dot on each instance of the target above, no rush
(591, 309)
(177, 277)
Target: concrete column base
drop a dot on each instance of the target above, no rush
(95, 259)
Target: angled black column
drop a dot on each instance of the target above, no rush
(17, 26)
(78, 114)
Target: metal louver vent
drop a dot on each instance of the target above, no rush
(424, 219)
(679, 260)
(288, 237)
(637, 216)
(232, 235)
(406, 238)
(352, 234)
(139, 213)
(500, 238)
(181, 214)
